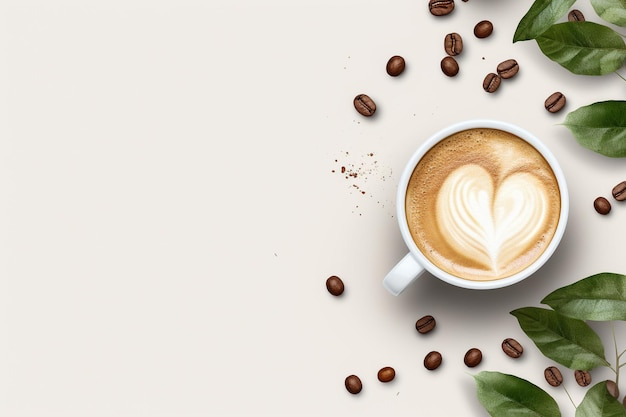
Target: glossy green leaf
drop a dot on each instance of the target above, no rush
(505, 395)
(568, 341)
(600, 127)
(600, 297)
(541, 15)
(599, 403)
(585, 48)
(613, 11)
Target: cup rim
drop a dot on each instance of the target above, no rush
(435, 138)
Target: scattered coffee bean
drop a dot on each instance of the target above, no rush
(512, 348)
(386, 374)
(602, 205)
(483, 29)
(425, 324)
(453, 44)
(449, 66)
(491, 82)
(553, 376)
(583, 378)
(612, 388)
(473, 357)
(575, 16)
(508, 68)
(364, 105)
(441, 7)
(395, 65)
(334, 285)
(619, 191)
(432, 360)
(353, 384)
(555, 102)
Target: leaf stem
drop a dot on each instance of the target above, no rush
(569, 396)
(617, 355)
(620, 75)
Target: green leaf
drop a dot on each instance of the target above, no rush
(600, 127)
(505, 395)
(541, 15)
(600, 297)
(598, 402)
(585, 48)
(613, 11)
(568, 341)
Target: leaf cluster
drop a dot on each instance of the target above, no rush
(563, 335)
(585, 48)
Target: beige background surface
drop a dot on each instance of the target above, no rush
(169, 211)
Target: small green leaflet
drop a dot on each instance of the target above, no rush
(568, 341)
(584, 48)
(541, 15)
(600, 127)
(600, 297)
(612, 11)
(599, 403)
(505, 395)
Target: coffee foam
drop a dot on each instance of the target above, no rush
(482, 204)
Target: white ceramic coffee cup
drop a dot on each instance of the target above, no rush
(415, 263)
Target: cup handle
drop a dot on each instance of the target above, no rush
(403, 274)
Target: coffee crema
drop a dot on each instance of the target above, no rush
(482, 204)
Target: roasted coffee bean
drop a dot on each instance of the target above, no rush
(612, 388)
(575, 16)
(619, 191)
(483, 29)
(473, 357)
(583, 378)
(334, 285)
(555, 102)
(364, 105)
(553, 376)
(491, 82)
(386, 374)
(353, 384)
(512, 348)
(453, 44)
(508, 68)
(441, 7)
(449, 66)
(432, 360)
(425, 324)
(395, 65)
(602, 205)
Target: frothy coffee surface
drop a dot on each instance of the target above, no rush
(482, 204)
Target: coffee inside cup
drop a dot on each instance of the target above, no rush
(482, 204)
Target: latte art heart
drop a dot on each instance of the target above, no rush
(492, 224)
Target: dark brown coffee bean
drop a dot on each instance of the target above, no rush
(395, 65)
(483, 29)
(364, 105)
(508, 68)
(453, 44)
(432, 360)
(575, 16)
(425, 324)
(619, 191)
(555, 102)
(583, 378)
(612, 388)
(602, 205)
(553, 376)
(473, 357)
(353, 384)
(386, 374)
(449, 66)
(512, 348)
(491, 82)
(441, 7)
(334, 285)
